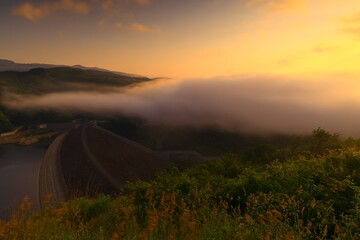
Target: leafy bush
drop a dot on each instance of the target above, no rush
(309, 194)
(5, 124)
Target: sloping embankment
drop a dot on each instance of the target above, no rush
(123, 159)
(51, 179)
(81, 176)
(89, 160)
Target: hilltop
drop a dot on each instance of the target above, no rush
(49, 80)
(39, 79)
(8, 65)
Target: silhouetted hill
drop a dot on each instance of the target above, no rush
(47, 80)
(8, 65)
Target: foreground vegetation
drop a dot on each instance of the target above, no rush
(312, 191)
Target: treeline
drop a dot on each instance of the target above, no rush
(213, 141)
(5, 124)
(311, 192)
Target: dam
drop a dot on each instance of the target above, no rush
(89, 160)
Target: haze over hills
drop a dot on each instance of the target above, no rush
(263, 104)
(59, 79)
(8, 65)
(28, 80)
(44, 82)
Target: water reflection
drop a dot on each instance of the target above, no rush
(19, 174)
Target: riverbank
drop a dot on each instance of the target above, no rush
(25, 138)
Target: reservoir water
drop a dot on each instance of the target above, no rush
(19, 174)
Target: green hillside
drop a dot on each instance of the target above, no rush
(5, 124)
(311, 194)
(50, 80)
(40, 80)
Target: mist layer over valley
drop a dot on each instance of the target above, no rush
(251, 104)
(155, 119)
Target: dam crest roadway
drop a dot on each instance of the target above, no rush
(89, 160)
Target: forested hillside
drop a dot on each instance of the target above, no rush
(41, 80)
(313, 193)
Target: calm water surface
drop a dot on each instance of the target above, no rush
(19, 174)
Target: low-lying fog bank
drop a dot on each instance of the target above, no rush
(255, 104)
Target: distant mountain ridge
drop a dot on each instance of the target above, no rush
(8, 65)
(62, 79)
(37, 78)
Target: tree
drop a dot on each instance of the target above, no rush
(322, 141)
(5, 124)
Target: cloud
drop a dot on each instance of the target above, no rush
(61, 33)
(142, 2)
(286, 5)
(105, 4)
(117, 9)
(289, 60)
(352, 18)
(109, 4)
(257, 104)
(278, 4)
(351, 23)
(352, 30)
(34, 13)
(321, 48)
(137, 27)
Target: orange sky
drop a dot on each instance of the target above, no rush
(186, 39)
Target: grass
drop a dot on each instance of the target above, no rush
(166, 216)
(310, 195)
(120, 218)
(104, 218)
